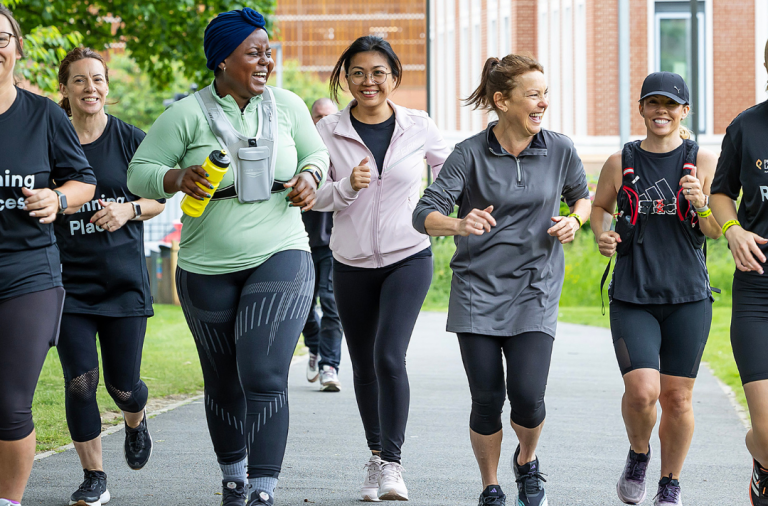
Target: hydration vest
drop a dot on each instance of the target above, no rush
(632, 213)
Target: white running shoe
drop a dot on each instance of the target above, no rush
(391, 484)
(312, 370)
(370, 489)
(329, 379)
(6, 502)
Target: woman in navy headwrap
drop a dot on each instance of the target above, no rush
(245, 277)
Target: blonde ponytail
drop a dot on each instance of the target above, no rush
(685, 133)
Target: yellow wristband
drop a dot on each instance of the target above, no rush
(704, 214)
(729, 224)
(578, 218)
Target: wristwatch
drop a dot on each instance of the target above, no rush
(136, 210)
(62, 202)
(314, 171)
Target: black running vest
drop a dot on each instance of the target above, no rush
(665, 267)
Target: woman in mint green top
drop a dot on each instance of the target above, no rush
(245, 276)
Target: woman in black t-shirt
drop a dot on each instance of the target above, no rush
(39, 150)
(743, 169)
(661, 304)
(105, 275)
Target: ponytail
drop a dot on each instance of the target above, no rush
(500, 76)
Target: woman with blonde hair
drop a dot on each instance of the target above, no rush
(661, 301)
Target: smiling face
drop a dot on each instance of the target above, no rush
(245, 72)
(662, 115)
(8, 54)
(86, 87)
(369, 94)
(524, 108)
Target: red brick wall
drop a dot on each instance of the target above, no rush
(602, 67)
(734, 60)
(638, 63)
(458, 65)
(524, 21)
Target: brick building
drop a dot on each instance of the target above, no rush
(577, 42)
(316, 32)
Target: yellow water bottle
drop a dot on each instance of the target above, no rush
(216, 166)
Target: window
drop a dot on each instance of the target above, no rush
(673, 49)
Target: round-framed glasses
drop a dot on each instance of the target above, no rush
(358, 77)
(5, 39)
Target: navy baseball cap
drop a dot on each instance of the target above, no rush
(666, 84)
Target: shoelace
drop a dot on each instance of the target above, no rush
(636, 470)
(136, 440)
(669, 494)
(373, 469)
(90, 483)
(531, 483)
(491, 499)
(392, 471)
(762, 482)
(237, 493)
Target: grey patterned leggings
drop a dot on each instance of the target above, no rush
(246, 325)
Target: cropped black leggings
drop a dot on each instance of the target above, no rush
(121, 341)
(528, 356)
(30, 328)
(246, 325)
(378, 310)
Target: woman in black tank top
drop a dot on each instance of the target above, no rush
(661, 304)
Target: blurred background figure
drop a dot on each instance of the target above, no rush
(322, 335)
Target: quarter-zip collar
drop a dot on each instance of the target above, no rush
(230, 106)
(537, 147)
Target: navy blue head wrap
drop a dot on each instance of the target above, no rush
(227, 31)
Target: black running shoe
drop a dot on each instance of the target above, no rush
(492, 496)
(669, 493)
(758, 485)
(530, 486)
(233, 493)
(138, 445)
(92, 491)
(261, 498)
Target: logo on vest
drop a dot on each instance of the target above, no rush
(762, 165)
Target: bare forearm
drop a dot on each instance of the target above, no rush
(600, 220)
(582, 207)
(149, 209)
(723, 208)
(710, 227)
(77, 194)
(437, 224)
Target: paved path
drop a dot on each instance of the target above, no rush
(582, 449)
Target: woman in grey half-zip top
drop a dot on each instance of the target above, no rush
(508, 268)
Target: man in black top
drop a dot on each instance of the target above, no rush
(322, 336)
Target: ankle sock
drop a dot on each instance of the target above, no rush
(265, 483)
(234, 471)
(640, 457)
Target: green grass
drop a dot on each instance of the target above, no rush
(169, 366)
(580, 300)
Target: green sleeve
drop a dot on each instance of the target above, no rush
(161, 150)
(309, 146)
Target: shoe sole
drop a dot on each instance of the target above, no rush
(104, 499)
(629, 501)
(371, 497)
(545, 503)
(393, 496)
(151, 449)
(312, 380)
(330, 387)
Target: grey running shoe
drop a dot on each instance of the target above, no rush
(669, 493)
(138, 445)
(631, 485)
(329, 379)
(530, 486)
(370, 488)
(233, 493)
(492, 496)
(261, 498)
(92, 491)
(313, 371)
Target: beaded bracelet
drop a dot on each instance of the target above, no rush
(704, 214)
(578, 218)
(729, 224)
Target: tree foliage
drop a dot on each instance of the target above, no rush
(307, 85)
(163, 36)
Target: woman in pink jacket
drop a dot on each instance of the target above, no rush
(383, 267)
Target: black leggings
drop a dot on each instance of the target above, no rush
(121, 341)
(528, 357)
(30, 327)
(378, 310)
(667, 337)
(246, 325)
(749, 326)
